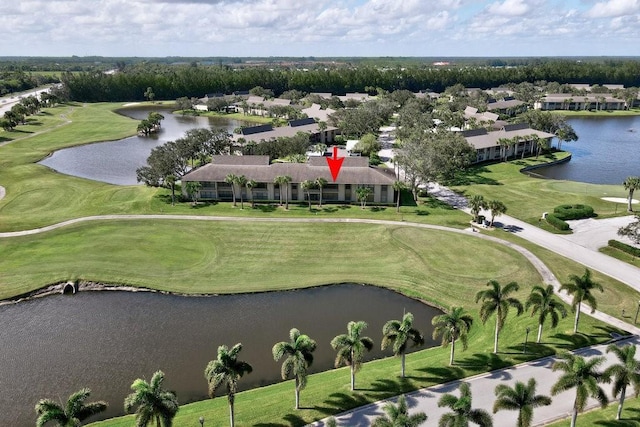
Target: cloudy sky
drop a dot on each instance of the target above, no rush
(319, 27)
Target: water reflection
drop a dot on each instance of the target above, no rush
(54, 346)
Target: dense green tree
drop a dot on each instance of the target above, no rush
(631, 230)
(522, 398)
(351, 348)
(623, 374)
(399, 334)
(581, 288)
(497, 300)
(368, 145)
(72, 414)
(581, 374)
(299, 357)
(153, 402)
(398, 415)
(462, 412)
(226, 371)
(363, 193)
(451, 327)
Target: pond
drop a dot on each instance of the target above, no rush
(607, 151)
(54, 346)
(115, 162)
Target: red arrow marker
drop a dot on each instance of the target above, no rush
(335, 163)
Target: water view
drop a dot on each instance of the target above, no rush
(115, 162)
(56, 345)
(607, 152)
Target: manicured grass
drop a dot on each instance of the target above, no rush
(37, 196)
(607, 416)
(599, 113)
(616, 297)
(527, 198)
(239, 116)
(621, 255)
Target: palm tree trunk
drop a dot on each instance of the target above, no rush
(574, 417)
(231, 414)
(539, 333)
(402, 363)
(453, 350)
(621, 402)
(495, 340)
(575, 324)
(286, 197)
(398, 203)
(297, 394)
(353, 377)
(629, 206)
(320, 204)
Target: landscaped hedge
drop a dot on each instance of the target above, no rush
(631, 250)
(557, 222)
(566, 212)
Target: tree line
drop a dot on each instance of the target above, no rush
(173, 81)
(154, 404)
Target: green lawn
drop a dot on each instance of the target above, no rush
(621, 255)
(599, 113)
(527, 198)
(607, 417)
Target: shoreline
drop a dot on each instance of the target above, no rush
(91, 286)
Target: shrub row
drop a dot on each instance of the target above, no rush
(565, 212)
(631, 250)
(557, 222)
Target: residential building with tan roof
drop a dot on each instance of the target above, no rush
(355, 172)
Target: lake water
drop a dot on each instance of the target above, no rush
(607, 151)
(56, 345)
(115, 162)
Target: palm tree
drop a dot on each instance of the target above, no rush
(193, 189)
(351, 347)
(72, 414)
(476, 204)
(398, 334)
(170, 180)
(299, 352)
(241, 180)
(363, 193)
(582, 375)
(320, 183)
(398, 186)
(398, 416)
(306, 186)
(251, 184)
(581, 288)
(625, 373)
(278, 180)
(497, 208)
(462, 413)
(226, 370)
(286, 179)
(153, 402)
(451, 327)
(497, 300)
(542, 302)
(522, 398)
(631, 184)
(232, 179)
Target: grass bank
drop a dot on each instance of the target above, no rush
(527, 197)
(607, 416)
(599, 113)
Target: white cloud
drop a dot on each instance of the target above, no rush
(613, 8)
(509, 8)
